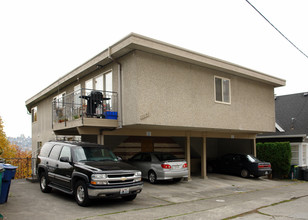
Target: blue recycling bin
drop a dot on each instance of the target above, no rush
(7, 176)
(1, 173)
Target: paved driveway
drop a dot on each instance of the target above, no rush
(218, 197)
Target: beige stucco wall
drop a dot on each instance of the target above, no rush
(42, 128)
(167, 92)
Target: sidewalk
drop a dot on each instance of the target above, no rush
(218, 197)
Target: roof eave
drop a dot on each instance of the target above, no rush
(284, 136)
(138, 42)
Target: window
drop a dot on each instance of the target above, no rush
(165, 156)
(222, 90)
(295, 154)
(108, 82)
(77, 94)
(146, 157)
(46, 149)
(99, 83)
(137, 157)
(58, 101)
(93, 154)
(89, 86)
(54, 154)
(66, 152)
(304, 154)
(102, 82)
(34, 114)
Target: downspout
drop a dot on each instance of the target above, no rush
(120, 117)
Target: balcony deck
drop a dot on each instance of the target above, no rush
(84, 112)
(79, 125)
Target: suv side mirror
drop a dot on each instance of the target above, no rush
(65, 159)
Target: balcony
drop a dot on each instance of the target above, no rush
(84, 112)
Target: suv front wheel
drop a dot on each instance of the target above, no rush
(81, 193)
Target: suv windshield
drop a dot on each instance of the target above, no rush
(93, 154)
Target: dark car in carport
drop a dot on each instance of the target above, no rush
(240, 164)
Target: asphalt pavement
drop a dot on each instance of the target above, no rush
(218, 197)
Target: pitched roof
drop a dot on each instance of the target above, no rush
(291, 115)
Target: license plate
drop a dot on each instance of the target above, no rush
(266, 172)
(176, 167)
(124, 191)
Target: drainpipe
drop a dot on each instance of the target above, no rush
(120, 117)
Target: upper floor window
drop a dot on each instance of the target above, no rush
(222, 90)
(34, 114)
(77, 94)
(59, 100)
(108, 82)
(101, 82)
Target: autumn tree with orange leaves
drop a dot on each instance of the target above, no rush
(4, 143)
(14, 155)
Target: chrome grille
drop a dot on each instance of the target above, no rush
(120, 178)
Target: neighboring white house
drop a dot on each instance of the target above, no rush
(291, 125)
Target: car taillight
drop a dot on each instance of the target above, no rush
(184, 165)
(166, 166)
(264, 166)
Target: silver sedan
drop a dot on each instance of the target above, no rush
(159, 166)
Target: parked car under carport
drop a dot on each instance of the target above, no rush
(240, 164)
(159, 166)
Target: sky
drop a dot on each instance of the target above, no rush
(40, 41)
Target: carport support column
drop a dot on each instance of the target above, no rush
(254, 147)
(100, 139)
(188, 154)
(203, 159)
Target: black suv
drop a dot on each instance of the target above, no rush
(86, 171)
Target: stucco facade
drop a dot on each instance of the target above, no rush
(164, 91)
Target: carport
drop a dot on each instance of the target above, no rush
(195, 147)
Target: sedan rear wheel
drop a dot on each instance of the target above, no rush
(152, 177)
(244, 173)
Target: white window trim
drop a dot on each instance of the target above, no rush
(222, 78)
(104, 80)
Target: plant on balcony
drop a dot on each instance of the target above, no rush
(62, 120)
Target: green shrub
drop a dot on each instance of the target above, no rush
(278, 154)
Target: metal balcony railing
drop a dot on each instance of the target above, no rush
(85, 103)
